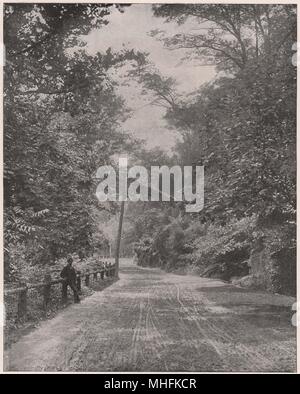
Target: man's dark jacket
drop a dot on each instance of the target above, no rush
(69, 274)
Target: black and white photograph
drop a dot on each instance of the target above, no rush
(149, 189)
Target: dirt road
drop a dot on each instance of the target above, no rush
(154, 321)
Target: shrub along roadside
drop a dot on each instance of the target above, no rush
(240, 251)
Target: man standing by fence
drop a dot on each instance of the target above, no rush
(68, 273)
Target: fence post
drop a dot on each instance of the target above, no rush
(87, 279)
(22, 303)
(78, 284)
(47, 290)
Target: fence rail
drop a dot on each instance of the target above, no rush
(48, 282)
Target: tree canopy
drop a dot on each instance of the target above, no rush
(62, 121)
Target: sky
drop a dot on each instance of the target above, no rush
(131, 30)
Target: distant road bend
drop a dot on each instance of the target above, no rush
(155, 321)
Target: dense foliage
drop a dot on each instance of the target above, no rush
(242, 128)
(62, 121)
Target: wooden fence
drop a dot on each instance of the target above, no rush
(46, 285)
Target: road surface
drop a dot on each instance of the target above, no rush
(155, 321)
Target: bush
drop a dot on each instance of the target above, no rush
(226, 251)
(211, 248)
